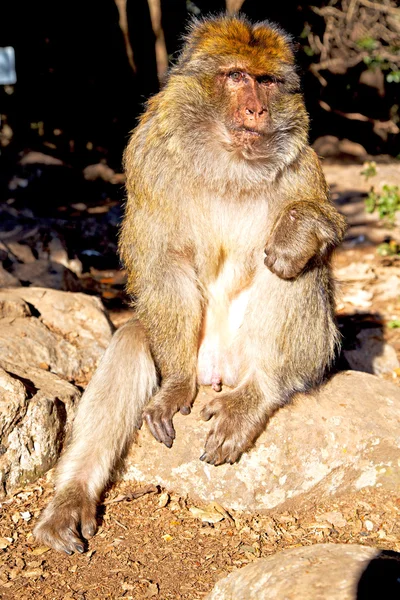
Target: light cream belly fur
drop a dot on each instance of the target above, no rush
(219, 357)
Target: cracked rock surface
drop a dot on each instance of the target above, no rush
(49, 341)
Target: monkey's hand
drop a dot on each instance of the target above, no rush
(304, 230)
(158, 414)
(68, 520)
(235, 427)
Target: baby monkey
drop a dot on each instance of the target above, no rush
(227, 239)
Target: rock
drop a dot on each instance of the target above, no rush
(21, 252)
(46, 273)
(372, 354)
(6, 279)
(329, 146)
(319, 572)
(57, 331)
(99, 171)
(36, 410)
(46, 338)
(356, 271)
(340, 439)
(40, 158)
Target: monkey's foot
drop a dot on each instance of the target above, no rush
(234, 431)
(160, 410)
(68, 520)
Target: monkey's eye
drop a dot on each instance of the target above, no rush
(266, 80)
(235, 76)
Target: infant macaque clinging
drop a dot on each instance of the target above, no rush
(226, 239)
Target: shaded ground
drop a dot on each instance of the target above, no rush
(154, 546)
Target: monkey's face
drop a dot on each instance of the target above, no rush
(248, 90)
(246, 100)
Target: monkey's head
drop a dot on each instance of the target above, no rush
(231, 108)
(241, 87)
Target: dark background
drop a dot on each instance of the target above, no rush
(77, 93)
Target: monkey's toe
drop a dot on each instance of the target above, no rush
(219, 450)
(67, 522)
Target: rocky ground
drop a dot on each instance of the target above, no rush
(170, 545)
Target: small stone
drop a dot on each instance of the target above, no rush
(369, 526)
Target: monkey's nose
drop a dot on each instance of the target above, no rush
(254, 117)
(255, 112)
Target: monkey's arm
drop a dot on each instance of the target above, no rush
(171, 315)
(306, 229)
(303, 231)
(169, 306)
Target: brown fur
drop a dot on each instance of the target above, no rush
(218, 171)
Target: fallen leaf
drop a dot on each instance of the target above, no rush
(212, 513)
(40, 550)
(335, 518)
(4, 543)
(167, 537)
(32, 573)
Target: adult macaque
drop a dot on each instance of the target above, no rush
(219, 172)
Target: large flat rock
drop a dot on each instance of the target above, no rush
(342, 438)
(319, 572)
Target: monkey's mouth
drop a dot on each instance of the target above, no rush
(244, 135)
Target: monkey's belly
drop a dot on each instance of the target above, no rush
(219, 358)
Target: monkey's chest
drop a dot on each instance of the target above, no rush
(219, 357)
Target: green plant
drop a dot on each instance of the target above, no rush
(386, 203)
(369, 170)
(395, 324)
(391, 248)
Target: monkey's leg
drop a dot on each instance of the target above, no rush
(288, 339)
(109, 411)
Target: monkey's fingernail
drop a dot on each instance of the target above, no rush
(185, 410)
(167, 443)
(152, 428)
(80, 548)
(90, 531)
(203, 456)
(69, 552)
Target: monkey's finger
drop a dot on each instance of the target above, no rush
(185, 410)
(208, 411)
(88, 521)
(168, 427)
(163, 435)
(151, 426)
(71, 541)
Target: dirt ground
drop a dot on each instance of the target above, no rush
(144, 550)
(150, 544)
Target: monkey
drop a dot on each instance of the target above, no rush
(227, 241)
